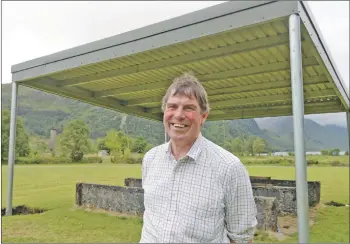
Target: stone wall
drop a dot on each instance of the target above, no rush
(267, 213)
(283, 190)
(285, 197)
(129, 200)
(314, 187)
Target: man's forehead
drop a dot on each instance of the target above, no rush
(183, 98)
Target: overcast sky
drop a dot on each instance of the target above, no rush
(34, 29)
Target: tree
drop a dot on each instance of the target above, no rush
(248, 143)
(38, 145)
(116, 142)
(139, 145)
(259, 145)
(22, 138)
(334, 152)
(324, 152)
(75, 140)
(346, 153)
(237, 145)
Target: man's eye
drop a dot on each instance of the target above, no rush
(190, 109)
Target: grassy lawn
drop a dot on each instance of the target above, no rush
(52, 187)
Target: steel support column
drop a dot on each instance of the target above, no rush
(12, 146)
(348, 124)
(298, 124)
(166, 137)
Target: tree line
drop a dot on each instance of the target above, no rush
(74, 142)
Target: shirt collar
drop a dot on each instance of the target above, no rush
(195, 150)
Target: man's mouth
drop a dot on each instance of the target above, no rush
(178, 125)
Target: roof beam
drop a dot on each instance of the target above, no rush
(45, 84)
(210, 77)
(277, 110)
(242, 90)
(261, 43)
(274, 98)
(272, 112)
(309, 61)
(316, 80)
(262, 99)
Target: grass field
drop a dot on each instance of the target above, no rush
(52, 187)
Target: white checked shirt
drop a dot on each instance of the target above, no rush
(205, 196)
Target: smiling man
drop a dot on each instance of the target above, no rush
(194, 190)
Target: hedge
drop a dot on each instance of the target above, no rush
(52, 160)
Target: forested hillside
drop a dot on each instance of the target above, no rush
(41, 111)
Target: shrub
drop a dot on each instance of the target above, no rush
(77, 156)
(312, 162)
(337, 163)
(53, 160)
(42, 160)
(133, 160)
(89, 160)
(126, 160)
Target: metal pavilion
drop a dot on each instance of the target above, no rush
(255, 59)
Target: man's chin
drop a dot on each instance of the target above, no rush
(177, 137)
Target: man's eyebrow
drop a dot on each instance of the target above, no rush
(190, 105)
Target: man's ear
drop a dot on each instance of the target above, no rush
(204, 117)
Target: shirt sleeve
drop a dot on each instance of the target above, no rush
(240, 208)
(147, 158)
(144, 167)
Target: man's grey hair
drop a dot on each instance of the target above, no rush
(188, 85)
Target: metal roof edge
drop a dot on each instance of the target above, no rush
(327, 52)
(198, 16)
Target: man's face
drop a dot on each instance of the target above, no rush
(183, 118)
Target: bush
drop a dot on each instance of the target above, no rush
(133, 160)
(148, 147)
(77, 156)
(117, 159)
(42, 160)
(312, 162)
(337, 163)
(126, 160)
(278, 161)
(90, 160)
(52, 160)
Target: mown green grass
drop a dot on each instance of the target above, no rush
(53, 187)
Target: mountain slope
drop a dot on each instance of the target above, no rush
(42, 111)
(316, 136)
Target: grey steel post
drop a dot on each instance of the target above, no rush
(298, 124)
(166, 137)
(12, 146)
(348, 124)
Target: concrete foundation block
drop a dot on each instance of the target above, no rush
(128, 200)
(314, 187)
(267, 213)
(285, 197)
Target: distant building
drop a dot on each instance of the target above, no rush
(103, 153)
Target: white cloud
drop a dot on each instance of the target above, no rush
(35, 29)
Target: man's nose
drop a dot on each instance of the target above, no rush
(179, 114)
